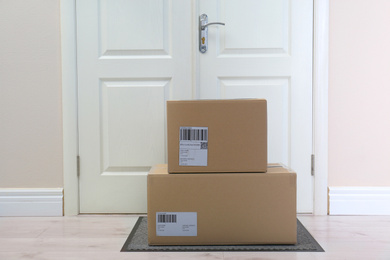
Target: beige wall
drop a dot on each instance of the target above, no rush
(359, 91)
(30, 94)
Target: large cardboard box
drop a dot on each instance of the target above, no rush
(217, 136)
(222, 208)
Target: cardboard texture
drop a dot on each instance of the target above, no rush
(217, 136)
(229, 208)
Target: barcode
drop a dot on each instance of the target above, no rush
(167, 218)
(190, 134)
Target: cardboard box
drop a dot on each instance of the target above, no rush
(217, 136)
(222, 208)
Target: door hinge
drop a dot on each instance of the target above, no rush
(312, 165)
(78, 165)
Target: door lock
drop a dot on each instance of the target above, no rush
(203, 32)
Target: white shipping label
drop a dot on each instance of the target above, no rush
(182, 224)
(193, 146)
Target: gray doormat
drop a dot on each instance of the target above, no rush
(138, 241)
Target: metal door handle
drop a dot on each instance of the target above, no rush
(205, 25)
(203, 32)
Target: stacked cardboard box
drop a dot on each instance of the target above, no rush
(217, 187)
(217, 136)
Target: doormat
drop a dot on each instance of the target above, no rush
(138, 241)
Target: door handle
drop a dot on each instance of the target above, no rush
(203, 32)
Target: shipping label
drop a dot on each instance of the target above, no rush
(193, 146)
(176, 224)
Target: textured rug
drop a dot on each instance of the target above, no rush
(138, 241)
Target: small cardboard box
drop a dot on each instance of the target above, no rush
(222, 208)
(217, 136)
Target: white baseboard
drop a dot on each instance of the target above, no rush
(31, 202)
(359, 201)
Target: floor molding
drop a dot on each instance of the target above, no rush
(31, 202)
(359, 201)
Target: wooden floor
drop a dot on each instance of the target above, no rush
(102, 237)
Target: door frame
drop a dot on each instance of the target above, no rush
(70, 105)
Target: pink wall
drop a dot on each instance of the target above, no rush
(30, 94)
(359, 93)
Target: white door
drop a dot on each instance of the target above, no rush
(135, 55)
(132, 57)
(265, 51)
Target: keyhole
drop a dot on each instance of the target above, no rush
(203, 39)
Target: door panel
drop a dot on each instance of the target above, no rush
(255, 27)
(130, 56)
(129, 28)
(126, 104)
(265, 51)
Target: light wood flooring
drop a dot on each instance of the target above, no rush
(102, 237)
